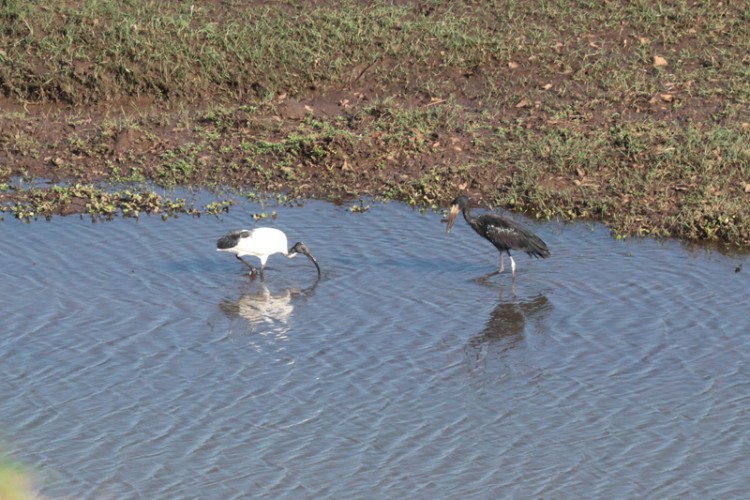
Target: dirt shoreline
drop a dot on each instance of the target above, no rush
(333, 146)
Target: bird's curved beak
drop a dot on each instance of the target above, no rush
(452, 217)
(314, 260)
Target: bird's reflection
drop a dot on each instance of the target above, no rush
(267, 312)
(505, 328)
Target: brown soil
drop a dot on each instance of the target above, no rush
(76, 145)
(79, 144)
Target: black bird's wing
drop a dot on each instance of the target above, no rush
(231, 240)
(506, 234)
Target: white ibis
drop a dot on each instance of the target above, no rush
(505, 234)
(261, 242)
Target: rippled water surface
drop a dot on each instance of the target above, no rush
(137, 362)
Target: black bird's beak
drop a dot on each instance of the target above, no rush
(452, 217)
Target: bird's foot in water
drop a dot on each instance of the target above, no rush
(253, 271)
(485, 277)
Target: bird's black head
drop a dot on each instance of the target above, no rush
(300, 247)
(461, 201)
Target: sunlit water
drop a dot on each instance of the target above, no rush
(138, 362)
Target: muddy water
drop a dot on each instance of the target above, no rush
(137, 362)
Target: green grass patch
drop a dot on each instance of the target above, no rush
(87, 51)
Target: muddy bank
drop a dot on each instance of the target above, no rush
(611, 117)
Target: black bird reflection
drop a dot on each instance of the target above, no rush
(266, 311)
(505, 327)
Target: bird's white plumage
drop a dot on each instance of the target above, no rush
(260, 242)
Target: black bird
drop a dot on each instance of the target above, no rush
(505, 234)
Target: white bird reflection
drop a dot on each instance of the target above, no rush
(266, 312)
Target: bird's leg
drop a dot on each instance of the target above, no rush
(253, 271)
(512, 266)
(502, 263)
(262, 266)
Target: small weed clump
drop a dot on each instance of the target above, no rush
(99, 204)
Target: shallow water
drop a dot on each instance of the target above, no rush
(138, 362)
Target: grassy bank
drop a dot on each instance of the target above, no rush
(632, 113)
